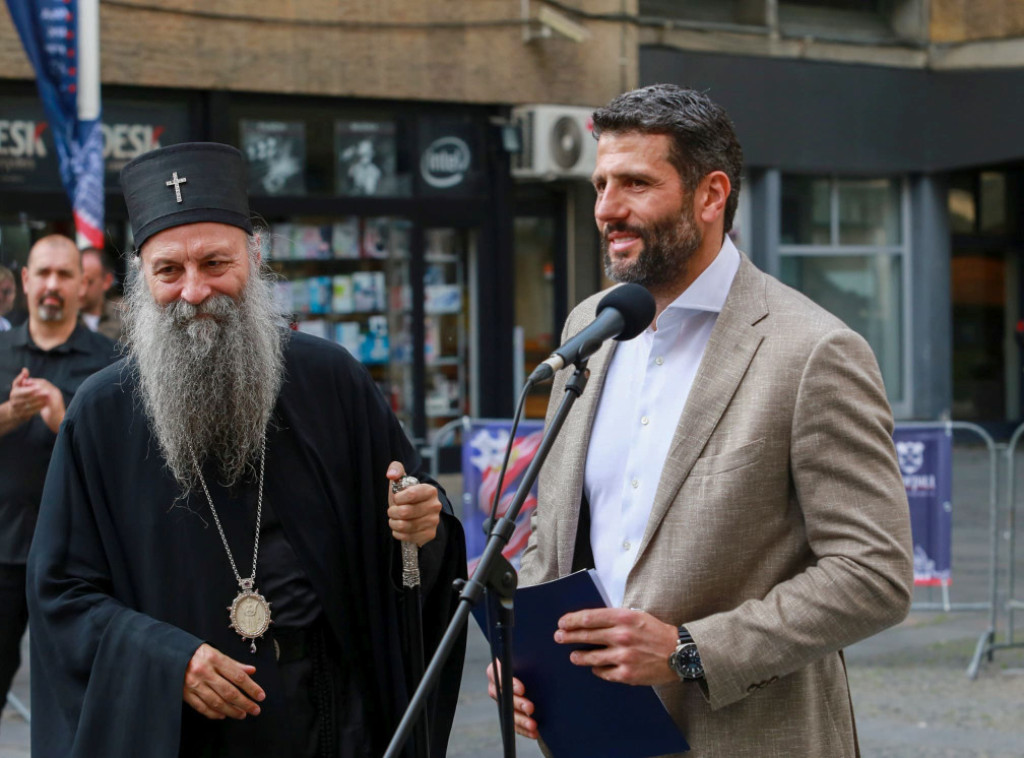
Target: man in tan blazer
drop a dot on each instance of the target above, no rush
(730, 472)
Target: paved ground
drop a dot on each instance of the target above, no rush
(14, 739)
(911, 693)
(913, 700)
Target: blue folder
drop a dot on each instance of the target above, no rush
(577, 713)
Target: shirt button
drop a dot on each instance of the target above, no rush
(644, 420)
(635, 483)
(626, 545)
(659, 360)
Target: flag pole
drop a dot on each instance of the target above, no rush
(89, 103)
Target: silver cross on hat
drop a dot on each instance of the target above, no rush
(176, 183)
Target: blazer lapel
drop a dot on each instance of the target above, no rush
(576, 433)
(730, 349)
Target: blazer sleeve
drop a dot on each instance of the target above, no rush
(847, 484)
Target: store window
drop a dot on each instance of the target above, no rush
(985, 203)
(373, 220)
(963, 209)
(449, 254)
(986, 287)
(535, 241)
(319, 151)
(843, 245)
(339, 278)
(995, 208)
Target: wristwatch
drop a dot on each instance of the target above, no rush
(685, 660)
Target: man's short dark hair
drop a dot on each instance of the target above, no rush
(703, 139)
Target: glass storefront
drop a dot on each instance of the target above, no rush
(987, 290)
(865, 291)
(371, 213)
(375, 270)
(843, 245)
(535, 242)
(447, 304)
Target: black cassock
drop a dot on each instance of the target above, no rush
(125, 583)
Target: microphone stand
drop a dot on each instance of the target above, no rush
(493, 573)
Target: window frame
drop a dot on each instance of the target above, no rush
(900, 405)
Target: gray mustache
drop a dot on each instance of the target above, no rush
(218, 306)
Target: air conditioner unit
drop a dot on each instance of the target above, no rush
(557, 142)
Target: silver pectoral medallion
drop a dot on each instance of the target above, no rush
(250, 614)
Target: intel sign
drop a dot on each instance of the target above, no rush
(445, 162)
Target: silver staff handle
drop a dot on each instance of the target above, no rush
(410, 553)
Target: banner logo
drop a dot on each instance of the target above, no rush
(911, 455)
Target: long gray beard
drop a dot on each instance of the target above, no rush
(207, 384)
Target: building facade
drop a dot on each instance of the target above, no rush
(883, 162)
(423, 168)
(379, 141)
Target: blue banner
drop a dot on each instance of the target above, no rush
(926, 463)
(483, 449)
(49, 34)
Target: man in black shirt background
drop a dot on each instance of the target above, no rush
(42, 363)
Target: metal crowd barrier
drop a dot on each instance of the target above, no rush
(1013, 603)
(441, 437)
(16, 704)
(987, 638)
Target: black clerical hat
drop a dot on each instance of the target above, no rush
(185, 184)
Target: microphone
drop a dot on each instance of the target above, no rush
(622, 314)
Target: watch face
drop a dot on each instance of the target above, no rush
(686, 662)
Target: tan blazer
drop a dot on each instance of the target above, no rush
(780, 530)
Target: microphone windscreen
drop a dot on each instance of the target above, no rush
(635, 304)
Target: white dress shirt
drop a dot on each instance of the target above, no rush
(648, 381)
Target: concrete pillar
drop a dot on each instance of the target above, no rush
(931, 338)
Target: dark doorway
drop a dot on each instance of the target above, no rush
(988, 320)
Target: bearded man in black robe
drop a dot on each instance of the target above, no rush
(227, 464)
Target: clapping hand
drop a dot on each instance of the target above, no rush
(32, 395)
